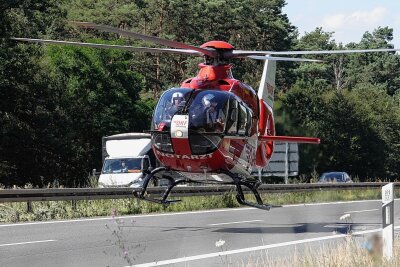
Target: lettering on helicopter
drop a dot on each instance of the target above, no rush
(250, 152)
(180, 123)
(236, 147)
(176, 156)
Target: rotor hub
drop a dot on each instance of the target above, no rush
(217, 45)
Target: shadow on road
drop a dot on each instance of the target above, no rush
(341, 228)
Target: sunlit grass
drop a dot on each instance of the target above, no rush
(350, 252)
(56, 210)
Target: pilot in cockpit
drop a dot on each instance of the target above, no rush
(215, 116)
(176, 101)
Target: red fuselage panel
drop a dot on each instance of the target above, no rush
(226, 157)
(220, 77)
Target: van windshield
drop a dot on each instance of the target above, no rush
(125, 165)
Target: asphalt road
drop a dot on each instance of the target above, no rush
(186, 239)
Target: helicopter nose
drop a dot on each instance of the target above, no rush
(180, 134)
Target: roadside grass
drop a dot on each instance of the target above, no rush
(57, 210)
(350, 252)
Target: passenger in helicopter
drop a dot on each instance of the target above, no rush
(176, 102)
(215, 116)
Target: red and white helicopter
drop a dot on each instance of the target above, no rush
(213, 128)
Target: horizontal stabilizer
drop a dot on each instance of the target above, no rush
(290, 139)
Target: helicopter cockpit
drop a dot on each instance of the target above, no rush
(212, 113)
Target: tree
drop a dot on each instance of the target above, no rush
(102, 93)
(359, 130)
(321, 75)
(26, 100)
(374, 68)
(193, 22)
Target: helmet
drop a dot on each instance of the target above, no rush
(207, 99)
(176, 95)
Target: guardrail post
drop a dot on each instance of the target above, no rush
(388, 220)
(29, 206)
(73, 204)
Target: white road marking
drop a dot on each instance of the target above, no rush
(359, 211)
(215, 224)
(251, 249)
(183, 213)
(333, 203)
(24, 243)
(334, 225)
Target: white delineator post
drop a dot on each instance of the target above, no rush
(287, 163)
(388, 220)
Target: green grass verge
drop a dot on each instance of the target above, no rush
(56, 210)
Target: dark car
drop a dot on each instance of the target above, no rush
(334, 177)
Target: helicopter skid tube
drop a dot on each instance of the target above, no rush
(236, 180)
(252, 185)
(171, 184)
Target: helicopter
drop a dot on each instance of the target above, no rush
(213, 128)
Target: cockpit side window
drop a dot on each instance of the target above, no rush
(232, 120)
(249, 126)
(242, 127)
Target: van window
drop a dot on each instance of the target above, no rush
(122, 165)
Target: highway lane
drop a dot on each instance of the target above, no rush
(184, 239)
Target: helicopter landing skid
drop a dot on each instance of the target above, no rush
(236, 180)
(252, 185)
(171, 184)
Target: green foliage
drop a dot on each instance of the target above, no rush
(358, 130)
(193, 22)
(26, 102)
(379, 69)
(101, 90)
(319, 75)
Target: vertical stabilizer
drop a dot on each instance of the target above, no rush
(267, 84)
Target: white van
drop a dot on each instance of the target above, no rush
(125, 158)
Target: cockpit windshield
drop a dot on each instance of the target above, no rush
(208, 110)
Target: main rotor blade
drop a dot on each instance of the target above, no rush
(107, 46)
(153, 39)
(242, 53)
(266, 57)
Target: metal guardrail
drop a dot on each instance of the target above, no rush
(60, 194)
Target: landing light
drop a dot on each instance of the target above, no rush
(178, 133)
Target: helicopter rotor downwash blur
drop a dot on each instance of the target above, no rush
(213, 128)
